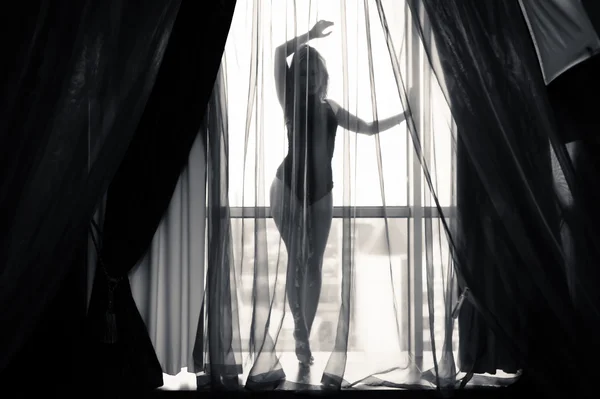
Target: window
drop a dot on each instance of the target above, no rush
(257, 145)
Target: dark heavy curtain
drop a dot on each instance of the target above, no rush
(593, 10)
(141, 191)
(506, 238)
(72, 93)
(572, 96)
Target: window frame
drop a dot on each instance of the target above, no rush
(358, 212)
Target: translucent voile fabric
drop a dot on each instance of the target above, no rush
(388, 289)
(526, 235)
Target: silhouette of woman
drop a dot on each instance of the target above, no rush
(301, 199)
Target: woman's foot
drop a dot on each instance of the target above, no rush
(303, 352)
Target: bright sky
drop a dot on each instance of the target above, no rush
(346, 52)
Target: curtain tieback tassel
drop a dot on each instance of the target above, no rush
(110, 327)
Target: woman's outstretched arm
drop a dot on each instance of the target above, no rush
(288, 48)
(355, 124)
(281, 67)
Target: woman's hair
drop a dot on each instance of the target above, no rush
(308, 54)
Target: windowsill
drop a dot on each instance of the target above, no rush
(358, 366)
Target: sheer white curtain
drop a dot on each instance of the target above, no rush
(389, 290)
(396, 254)
(168, 283)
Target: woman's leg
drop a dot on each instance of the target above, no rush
(287, 214)
(321, 215)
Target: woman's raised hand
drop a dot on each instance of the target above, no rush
(318, 30)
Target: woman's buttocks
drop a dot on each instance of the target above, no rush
(309, 182)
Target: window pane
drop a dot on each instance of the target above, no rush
(441, 263)
(257, 135)
(441, 148)
(373, 325)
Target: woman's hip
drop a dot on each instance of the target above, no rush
(283, 197)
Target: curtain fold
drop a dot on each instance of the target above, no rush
(218, 353)
(507, 241)
(576, 116)
(579, 194)
(168, 283)
(593, 10)
(141, 190)
(70, 104)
